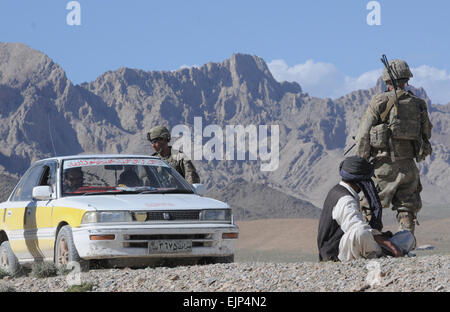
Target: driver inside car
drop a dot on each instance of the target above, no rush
(73, 179)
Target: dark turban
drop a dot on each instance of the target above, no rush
(359, 171)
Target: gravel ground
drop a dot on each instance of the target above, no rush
(417, 274)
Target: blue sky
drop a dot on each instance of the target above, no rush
(326, 46)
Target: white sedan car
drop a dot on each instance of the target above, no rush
(129, 209)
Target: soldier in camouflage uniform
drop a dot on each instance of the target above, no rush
(394, 131)
(160, 137)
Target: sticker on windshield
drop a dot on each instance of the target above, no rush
(112, 161)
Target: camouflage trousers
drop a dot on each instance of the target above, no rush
(398, 183)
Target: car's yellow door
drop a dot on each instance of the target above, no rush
(28, 221)
(20, 234)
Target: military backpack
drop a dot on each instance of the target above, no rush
(401, 120)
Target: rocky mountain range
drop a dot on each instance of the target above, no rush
(43, 114)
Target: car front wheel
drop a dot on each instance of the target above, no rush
(65, 251)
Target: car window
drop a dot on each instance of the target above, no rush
(113, 175)
(166, 177)
(49, 175)
(24, 189)
(46, 179)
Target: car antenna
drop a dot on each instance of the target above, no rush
(51, 137)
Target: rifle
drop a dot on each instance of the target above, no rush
(351, 147)
(389, 69)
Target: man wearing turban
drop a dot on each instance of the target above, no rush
(343, 234)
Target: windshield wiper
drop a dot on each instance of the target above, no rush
(178, 191)
(107, 192)
(124, 190)
(139, 190)
(167, 191)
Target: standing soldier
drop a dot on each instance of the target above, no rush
(394, 130)
(160, 137)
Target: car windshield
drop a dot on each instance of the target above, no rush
(92, 176)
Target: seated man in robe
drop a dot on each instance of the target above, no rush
(343, 234)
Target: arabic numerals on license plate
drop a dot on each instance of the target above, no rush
(169, 246)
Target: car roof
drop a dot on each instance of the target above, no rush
(83, 156)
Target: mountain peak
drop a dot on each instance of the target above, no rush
(21, 65)
(248, 65)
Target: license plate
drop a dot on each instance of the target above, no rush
(169, 246)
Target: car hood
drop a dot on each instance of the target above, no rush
(136, 202)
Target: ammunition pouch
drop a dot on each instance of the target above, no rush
(379, 136)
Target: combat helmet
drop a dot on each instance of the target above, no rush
(400, 70)
(158, 132)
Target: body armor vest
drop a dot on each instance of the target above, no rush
(400, 129)
(404, 118)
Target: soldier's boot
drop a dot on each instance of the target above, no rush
(406, 220)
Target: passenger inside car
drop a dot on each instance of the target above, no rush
(129, 178)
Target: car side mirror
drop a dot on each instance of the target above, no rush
(199, 189)
(43, 192)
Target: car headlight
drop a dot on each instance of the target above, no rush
(216, 215)
(106, 216)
